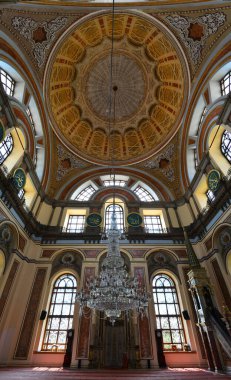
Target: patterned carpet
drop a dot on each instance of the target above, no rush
(43, 373)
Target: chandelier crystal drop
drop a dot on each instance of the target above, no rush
(114, 291)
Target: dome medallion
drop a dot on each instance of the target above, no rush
(128, 83)
(149, 88)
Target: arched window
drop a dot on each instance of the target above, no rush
(119, 217)
(60, 315)
(144, 195)
(6, 147)
(111, 182)
(7, 82)
(226, 145)
(168, 315)
(85, 194)
(225, 84)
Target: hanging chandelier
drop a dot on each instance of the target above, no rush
(114, 291)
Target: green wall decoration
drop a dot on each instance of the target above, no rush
(19, 178)
(134, 219)
(214, 177)
(94, 220)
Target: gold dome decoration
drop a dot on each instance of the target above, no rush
(150, 78)
(130, 86)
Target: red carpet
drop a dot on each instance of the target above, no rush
(43, 373)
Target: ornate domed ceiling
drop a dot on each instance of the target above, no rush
(149, 88)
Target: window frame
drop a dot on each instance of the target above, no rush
(117, 182)
(223, 85)
(79, 225)
(155, 228)
(5, 150)
(9, 86)
(143, 194)
(29, 114)
(210, 196)
(85, 195)
(50, 315)
(21, 193)
(226, 146)
(165, 317)
(107, 216)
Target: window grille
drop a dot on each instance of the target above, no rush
(60, 315)
(7, 81)
(197, 133)
(168, 314)
(225, 84)
(143, 194)
(210, 196)
(6, 147)
(76, 223)
(120, 183)
(153, 224)
(119, 217)
(28, 111)
(21, 193)
(85, 194)
(226, 145)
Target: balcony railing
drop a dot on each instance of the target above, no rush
(27, 219)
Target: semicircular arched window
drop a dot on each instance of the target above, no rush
(168, 314)
(7, 81)
(61, 312)
(6, 147)
(225, 84)
(143, 194)
(226, 145)
(85, 194)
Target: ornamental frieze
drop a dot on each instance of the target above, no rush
(195, 31)
(39, 34)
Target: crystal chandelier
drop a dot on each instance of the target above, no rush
(114, 291)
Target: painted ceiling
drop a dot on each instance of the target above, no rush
(143, 108)
(140, 126)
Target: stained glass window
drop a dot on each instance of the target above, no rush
(226, 84)
(153, 224)
(226, 145)
(85, 194)
(119, 217)
(168, 314)
(76, 223)
(7, 82)
(6, 147)
(60, 315)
